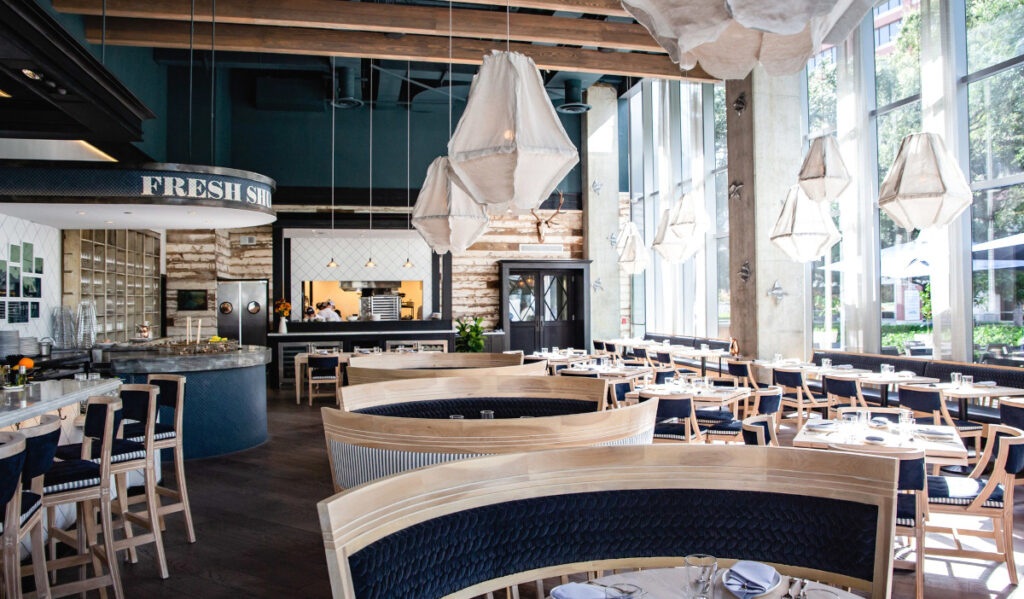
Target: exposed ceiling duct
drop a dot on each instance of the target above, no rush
(349, 94)
(573, 103)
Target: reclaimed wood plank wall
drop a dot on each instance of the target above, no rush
(475, 273)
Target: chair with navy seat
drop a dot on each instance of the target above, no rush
(22, 516)
(640, 357)
(81, 480)
(167, 436)
(742, 371)
(796, 394)
(978, 496)
(323, 371)
(598, 347)
(676, 419)
(766, 401)
(911, 501)
(760, 430)
(1011, 413)
(842, 392)
(929, 404)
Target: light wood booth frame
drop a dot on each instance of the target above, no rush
(369, 395)
(448, 440)
(358, 375)
(355, 519)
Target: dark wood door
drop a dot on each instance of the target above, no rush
(545, 309)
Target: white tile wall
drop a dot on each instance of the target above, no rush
(46, 242)
(351, 249)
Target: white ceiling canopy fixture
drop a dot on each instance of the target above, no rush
(446, 217)
(510, 149)
(681, 230)
(823, 175)
(804, 230)
(633, 256)
(730, 37)
(925, 187)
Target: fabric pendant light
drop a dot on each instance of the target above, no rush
(925, 187)
(633, 256)
(730, 38)
(688, 220)
(823, 175)
(445, 215)
(510, 149)
(804, 230)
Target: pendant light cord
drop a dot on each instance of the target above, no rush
(334, 100)
(371, 144)
(508, 25)
(213, 83)
(449, 70)
(103, 35)
(408, 150)
(191, 60)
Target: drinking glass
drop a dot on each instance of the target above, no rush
(94, 376)
(704, 347)
(955, 378)
(826, 363)
(456, 416)
(81, 376)
(967, 380)
(906, 425)
(543, 350)
(701, 570)
(777, 358)
(850, 424)
(554, 350)
(487, 414)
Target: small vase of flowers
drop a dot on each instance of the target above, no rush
(282, 309)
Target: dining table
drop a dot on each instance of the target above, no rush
(667, 583)
(694, 353)
(945, 450)
(886, 380)
(561, 358)
(720, 397)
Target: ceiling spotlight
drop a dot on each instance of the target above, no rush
(408, 263)
(34, 76)
(370, 263)
(332, 263)
(80, 213)
(109, 222)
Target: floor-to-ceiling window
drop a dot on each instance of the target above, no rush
(995, 124)
(904, 282)
(719, 178)
(826, 272)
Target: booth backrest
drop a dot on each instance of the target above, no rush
(688, 341)
(1008, 376)
(465, 528)
(872, 362)
(358, 375)
(365, 447)
(434, 360)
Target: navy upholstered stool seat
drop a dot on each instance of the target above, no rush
(676, 431)
(731, 427)
(66, 475)
(121, 450)
(906, 510)
(676, 419)
(30, 504)
(136, 431)
(959, 490)
(713, 416)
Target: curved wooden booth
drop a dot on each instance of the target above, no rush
(389, 367)
(465, 528)
(366, 447)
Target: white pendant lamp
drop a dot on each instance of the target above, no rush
(510, 149)
(633, 256)
(688, 220)
(823, 175)
(730, 38)
(925, 187)
(804, 230)
(445, 215)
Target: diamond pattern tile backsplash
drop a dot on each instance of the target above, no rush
(46, 244)
(310, 256)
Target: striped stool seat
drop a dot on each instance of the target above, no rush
(906, 510)
(713, 416)
(323, 377)
(71, 474)
(30, 503)
(959, 490)
(961, 425)
(673, 430)
(136, 432)
(732, 427)
(121, 450)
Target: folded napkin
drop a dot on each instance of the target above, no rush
(845, 367)
(878, 421)
(906, 373)
(935, 432)
(985, 384)
(821, 426)
(577, 590)
(749, 579)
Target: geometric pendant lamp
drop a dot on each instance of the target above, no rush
(925, 187)
(823, 175)
(633, 256)
(510, 149)
(446, 217)
(681, 231)
(804, 229)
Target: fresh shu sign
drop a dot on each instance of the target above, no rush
(205, 188)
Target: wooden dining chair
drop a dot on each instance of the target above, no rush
(323, 371)
(979, 496)
(842, 392)
(742, 371)
(612, 392)
(929, 407)
(24, 457)
(765, 401)
(760, 430)
(911, 502)
(640, 358)
(796, 394)
(676, 419)
(598, 348)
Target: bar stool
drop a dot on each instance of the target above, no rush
(40, 446)
(21, 516)
(323, 370)
(86, 483)
(167, 436)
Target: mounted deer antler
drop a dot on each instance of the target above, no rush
(544, 225)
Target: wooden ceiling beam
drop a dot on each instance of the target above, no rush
(357, 44)
(608, 8)
(382, 18)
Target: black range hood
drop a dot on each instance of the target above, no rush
(57, 88)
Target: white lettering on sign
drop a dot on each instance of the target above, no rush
(201, 189)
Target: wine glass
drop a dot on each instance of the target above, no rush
(701, 570)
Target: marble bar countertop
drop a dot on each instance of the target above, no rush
(147, 362)
(44, 397)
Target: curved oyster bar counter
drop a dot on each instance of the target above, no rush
(225, 395)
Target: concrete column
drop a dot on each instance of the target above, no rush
(600, 158)
(765, 152)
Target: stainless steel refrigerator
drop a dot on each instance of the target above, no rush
(242, 311)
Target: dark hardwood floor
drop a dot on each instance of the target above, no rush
(259, 534)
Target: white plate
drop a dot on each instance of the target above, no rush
(764, 594)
